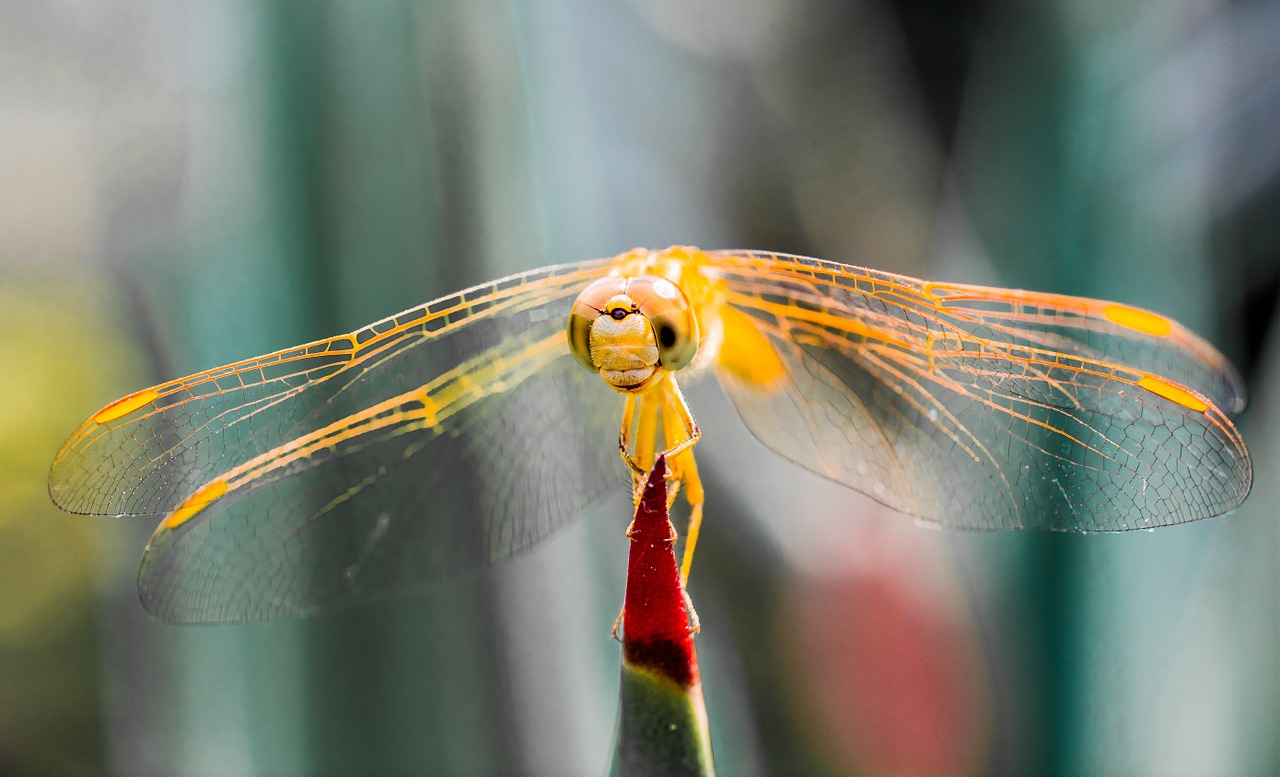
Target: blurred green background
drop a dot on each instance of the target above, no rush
(186, 184)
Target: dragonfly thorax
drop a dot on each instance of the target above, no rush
(632, 329)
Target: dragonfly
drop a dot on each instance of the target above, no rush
(457, 434)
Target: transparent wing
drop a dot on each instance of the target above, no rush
(420, 448)
(980, 408)
(1096, 330)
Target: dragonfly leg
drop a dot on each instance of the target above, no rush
(624, 436)
(678, 422)
(641, 460)
(624, 439)
(693, 495)
(646, 431)
(680, 433)
(675, 407)
(638, 452)
(695, 625)
(684, 468)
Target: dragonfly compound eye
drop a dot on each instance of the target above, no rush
(674, 326)
(590, 304)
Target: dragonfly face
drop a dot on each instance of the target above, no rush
(628, 329)
(454, 435)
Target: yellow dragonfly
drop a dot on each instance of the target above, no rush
(456, 434)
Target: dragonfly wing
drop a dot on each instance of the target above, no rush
(864, 377)
(418, 449)
(1097, 330)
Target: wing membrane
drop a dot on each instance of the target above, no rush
(1097, 330)
(455, 434)
(149, 451)
(984, 416)
(417, 449)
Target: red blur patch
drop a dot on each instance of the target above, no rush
(655, 626)
(901, 688)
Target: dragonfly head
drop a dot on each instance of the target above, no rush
(631, 329)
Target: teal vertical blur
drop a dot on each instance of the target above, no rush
(403, 686)
(1082, 167)
(1016, 180)
(362, 192)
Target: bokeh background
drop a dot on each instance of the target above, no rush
(186, 184)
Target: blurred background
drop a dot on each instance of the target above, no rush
(183, 185)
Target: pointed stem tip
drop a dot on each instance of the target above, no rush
(656, 634)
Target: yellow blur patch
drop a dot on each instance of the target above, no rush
(125, 406)
(1173, 393)
(195, 503)
(1140, 320)
(746, 352)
